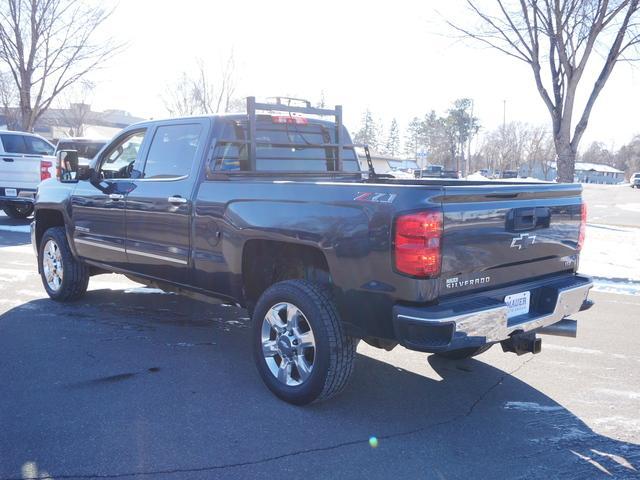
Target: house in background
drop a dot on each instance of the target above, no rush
(584, 173)
(76, 121)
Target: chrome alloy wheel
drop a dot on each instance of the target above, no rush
(52, 265)
(288, 344)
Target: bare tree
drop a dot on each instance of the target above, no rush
(8, 98)
(198, 94)
(77, 109)
(47, 46)
(539, 151)
(557, 38)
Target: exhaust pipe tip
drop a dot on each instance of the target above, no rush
(563, 328)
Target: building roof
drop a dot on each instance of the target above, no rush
(596, 167)
(591, 167)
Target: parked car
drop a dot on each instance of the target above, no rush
(87, 148)
(509, 174)
(269, 211)
(429, 171)
(635, 180)
(27, 159)
(436, 171)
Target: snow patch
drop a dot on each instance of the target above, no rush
(612, 256)
(612, 286)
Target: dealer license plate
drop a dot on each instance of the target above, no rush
(10, 192)
(518, 303)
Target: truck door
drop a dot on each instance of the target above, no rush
(158, 211)
(97, 210)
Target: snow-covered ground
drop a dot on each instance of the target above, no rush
(612, 256)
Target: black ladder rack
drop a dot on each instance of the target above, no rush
(278, 106)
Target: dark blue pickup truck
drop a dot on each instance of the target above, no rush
(270, 210)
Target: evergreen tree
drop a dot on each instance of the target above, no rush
(369, 132)
(392, 146)
(413, 139)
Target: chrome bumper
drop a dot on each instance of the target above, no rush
(480, 320)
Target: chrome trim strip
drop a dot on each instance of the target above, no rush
(492, 323)
(133, 252)
(158, 257)
(99, 245)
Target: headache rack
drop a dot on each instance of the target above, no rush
(279, 106)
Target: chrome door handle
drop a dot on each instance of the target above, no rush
(177, 200)
(116, 196)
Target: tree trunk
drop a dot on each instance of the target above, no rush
(566, 162)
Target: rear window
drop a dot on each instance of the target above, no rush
(274, 155)
(84, 149)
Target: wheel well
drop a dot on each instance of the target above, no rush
(265, 262)
(45, 219)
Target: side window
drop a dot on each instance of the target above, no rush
(172, 151)
(118, 161)
(14, 143)
(38, 146)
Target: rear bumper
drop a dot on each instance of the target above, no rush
(25, 196)
(476, 320)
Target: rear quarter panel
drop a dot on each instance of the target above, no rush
(353, 232)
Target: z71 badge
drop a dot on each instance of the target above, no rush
(375, 197)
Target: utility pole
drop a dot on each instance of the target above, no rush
(504, 114)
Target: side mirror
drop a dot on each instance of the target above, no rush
(67, 166)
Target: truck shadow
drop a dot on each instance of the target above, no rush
(174, 384)
(14, 232)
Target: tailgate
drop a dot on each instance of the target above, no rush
(19, 171)
(497, 235)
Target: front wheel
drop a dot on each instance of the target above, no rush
(64, 278)
(300, 349)
(18, 211)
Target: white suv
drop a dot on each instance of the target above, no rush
(25, 160)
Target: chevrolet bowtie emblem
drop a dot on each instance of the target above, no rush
(523, 241)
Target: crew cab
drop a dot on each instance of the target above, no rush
(269, 210)
(26, 160)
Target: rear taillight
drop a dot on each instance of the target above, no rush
(289, 119)
(45, 165)
(417, 243)
(583, 226)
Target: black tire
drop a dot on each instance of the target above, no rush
(463, 353)
(18, 211)
(75, 275)
(333, 353)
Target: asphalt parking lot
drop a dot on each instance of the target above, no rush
(131, 383)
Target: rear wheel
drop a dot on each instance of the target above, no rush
(463, 353)
(64, 278)
(18, 211)
(300, 349)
